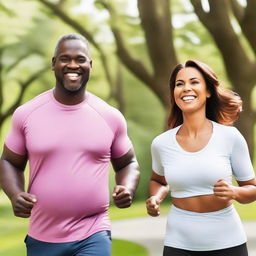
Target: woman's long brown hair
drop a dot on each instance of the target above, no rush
(224, 106)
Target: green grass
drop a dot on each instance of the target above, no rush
(127, 248)
(13, 231)
(137, 209)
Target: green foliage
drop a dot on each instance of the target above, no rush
(193, 41)
(15, 22)
(145, 116)
(246, 211)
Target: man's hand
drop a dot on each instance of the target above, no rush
(122, 196)
(153, 206)
(223, 190)
(22, 204)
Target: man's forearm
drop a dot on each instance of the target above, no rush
(11, 179)
(129, 176)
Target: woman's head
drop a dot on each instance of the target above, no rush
(222, 106)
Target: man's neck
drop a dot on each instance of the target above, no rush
(69, 98)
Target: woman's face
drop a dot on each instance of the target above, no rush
(190, 91)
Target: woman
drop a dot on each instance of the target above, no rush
(196, 160)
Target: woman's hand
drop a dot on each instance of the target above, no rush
(153, 206)
(223, 190)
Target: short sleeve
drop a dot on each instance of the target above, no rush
(15, 139)
(240, 159)
(156, 160)
(121, 143)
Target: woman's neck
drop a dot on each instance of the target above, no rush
(195, 125)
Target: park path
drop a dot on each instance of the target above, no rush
(149, 232)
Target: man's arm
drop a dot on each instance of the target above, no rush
(127, 179)
(12, 182)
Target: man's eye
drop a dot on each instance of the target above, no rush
(65, 60)
(81, 60)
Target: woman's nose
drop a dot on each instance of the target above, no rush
(187, 87)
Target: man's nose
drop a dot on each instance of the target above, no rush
(73, 64)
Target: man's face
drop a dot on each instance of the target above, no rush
(72, 65)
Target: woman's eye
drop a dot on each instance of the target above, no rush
(178, 84)
(195, 82)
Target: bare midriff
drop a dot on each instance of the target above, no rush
(204, 203)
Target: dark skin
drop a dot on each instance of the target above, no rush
(127, 179)
(72, 66)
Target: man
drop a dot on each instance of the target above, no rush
(68, 135)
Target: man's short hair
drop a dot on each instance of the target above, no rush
(71, 36)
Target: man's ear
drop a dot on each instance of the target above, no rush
(53, 62)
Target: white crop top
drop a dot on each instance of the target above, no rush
(194, 173)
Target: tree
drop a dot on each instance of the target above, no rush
(15, 60)
(240, 62)
(22, 84)
(237, 48)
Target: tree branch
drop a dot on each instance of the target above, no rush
(155, 17)
(16, 62)
(61, 3)
(238, 10)
(218, 23)
(71, 22)
(1, 79)
(133, 64)
(198, 8)
(8, 11)
(248, 24)
(254, 115)
(23, 87)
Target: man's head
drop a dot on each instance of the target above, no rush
(72, 63)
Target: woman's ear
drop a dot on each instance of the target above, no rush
(208, 95)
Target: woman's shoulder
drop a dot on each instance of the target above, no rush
(164, 136)
(226, 131)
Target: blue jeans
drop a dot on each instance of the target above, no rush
(98, 244)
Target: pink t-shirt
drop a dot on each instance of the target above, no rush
(69, 150)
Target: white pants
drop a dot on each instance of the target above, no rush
(204, 231)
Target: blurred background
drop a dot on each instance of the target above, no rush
(135, 44)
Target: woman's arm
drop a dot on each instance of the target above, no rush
(158, 189)
(244, 193)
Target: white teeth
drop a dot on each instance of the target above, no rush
(188, 98)
(72, 74)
